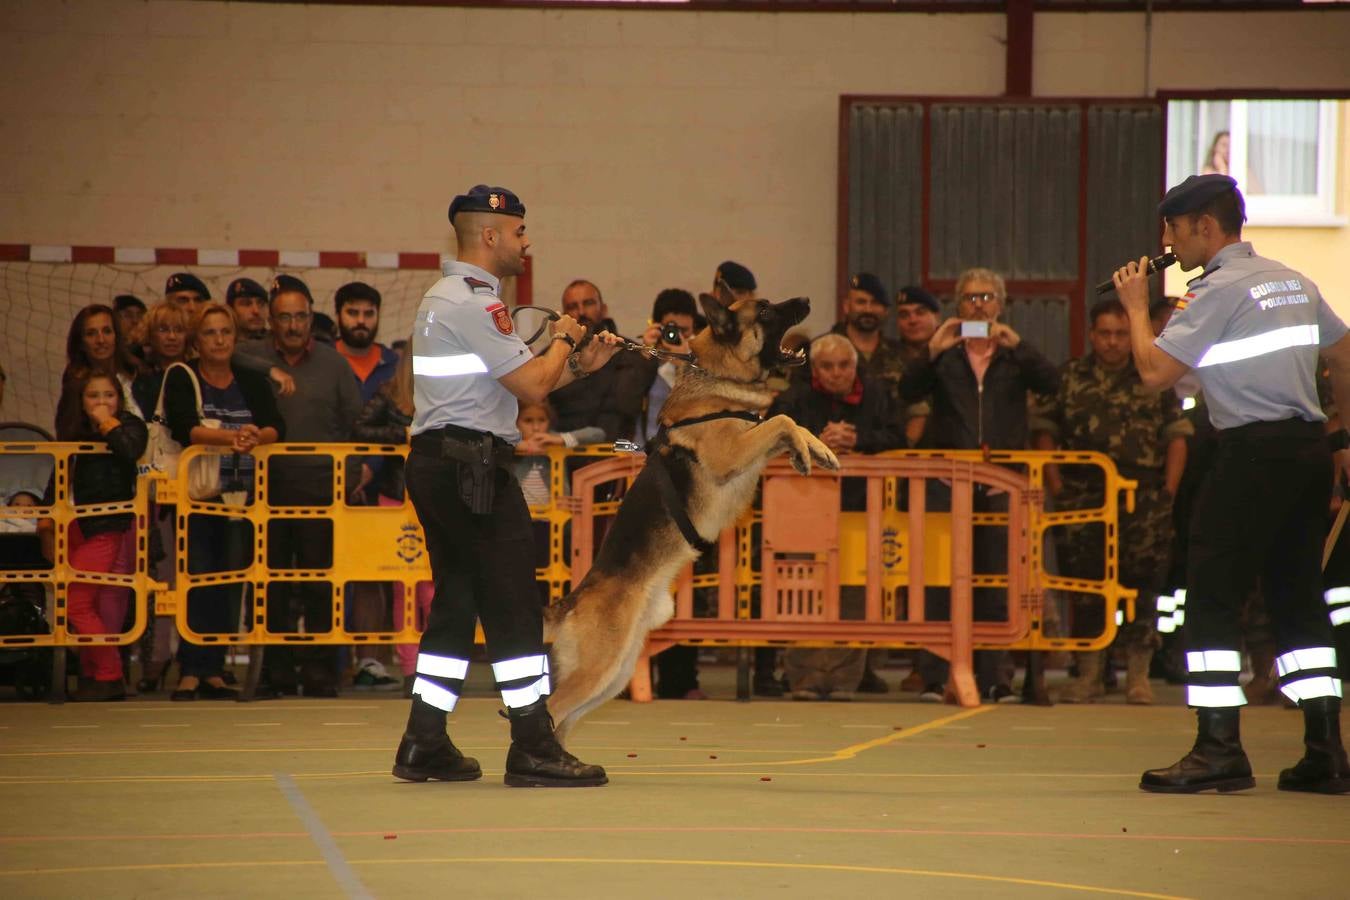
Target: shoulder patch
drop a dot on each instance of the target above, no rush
(477, 285)
(501, 317)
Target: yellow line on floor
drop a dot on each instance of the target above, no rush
(713, 863)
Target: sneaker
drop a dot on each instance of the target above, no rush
(373, 676)
(1001, 693)
(933, 693)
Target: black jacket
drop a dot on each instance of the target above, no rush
(382, 422)
(180, 402)
(968, 416)
(873, 416)
(107, 478)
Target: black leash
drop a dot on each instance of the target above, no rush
(551, 316)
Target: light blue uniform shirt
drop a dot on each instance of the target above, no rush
(463, 341)
(1251, 329)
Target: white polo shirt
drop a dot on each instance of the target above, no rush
(463, 341)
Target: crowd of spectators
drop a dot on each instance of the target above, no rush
(267, 366)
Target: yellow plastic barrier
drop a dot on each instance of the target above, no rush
(385, 545)
(61, 575)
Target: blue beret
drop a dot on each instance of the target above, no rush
(870, 284)
(1194, 193)
(482, 198)
(736, 276)
(244, 287)
(917, 295)
(186, 281)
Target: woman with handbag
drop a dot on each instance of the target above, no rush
(163, 332)
(209, 401)
(96, 542)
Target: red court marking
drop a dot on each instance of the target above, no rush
(91, 254)
(690, 829)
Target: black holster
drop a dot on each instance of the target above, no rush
(478, 461)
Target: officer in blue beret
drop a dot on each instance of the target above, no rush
(470, 368)
(1251, 328)
(187, 290)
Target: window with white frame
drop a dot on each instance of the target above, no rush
(1283, 154)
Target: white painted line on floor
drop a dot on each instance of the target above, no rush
(165, 725)
(255, 724)
(75, 726)
(1115, 729)
(605, 722)
(346, 723)
(692, 724)
(1033, 728)
(777, 725)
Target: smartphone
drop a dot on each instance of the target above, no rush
(974, 328)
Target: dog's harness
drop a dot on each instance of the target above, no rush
(665, 483)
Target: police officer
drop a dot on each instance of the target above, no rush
(1251, 328)
(469, 369)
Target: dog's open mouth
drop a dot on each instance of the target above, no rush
(788, 357)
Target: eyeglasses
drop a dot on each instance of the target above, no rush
(170, 329)
(299, 318)
(986, 297)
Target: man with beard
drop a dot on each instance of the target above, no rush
(881, 358)
(357, 305)
(358, 321)
(593, 403)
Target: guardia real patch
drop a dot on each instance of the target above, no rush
(501, 317)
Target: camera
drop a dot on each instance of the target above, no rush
(670, 334)
(974, 328)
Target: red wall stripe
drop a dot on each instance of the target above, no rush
(175, 256)
(13, 253)
(268, 259)
(419, 261)
(341, 259)
(91, 254)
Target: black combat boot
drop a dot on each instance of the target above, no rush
(536, 759)
(426, 751)
(1216, 762)
(1324, 768)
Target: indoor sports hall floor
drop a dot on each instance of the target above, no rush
(713, 799)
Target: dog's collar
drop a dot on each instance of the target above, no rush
(720, 414)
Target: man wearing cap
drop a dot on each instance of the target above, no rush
(882, 359)
(187, 290)
(248, 299)
(1250, 328)
(129, 311)
(916, 318)
(469, 368)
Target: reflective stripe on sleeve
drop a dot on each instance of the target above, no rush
(434, 695)
(1337, 595)
(520, 667)
(1307, 658)
(442, 666)
(1215, 696)
(447, 366)
(1312, 688)
(1213, 661)
(1260, 344)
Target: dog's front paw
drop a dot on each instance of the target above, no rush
(825, 457)
(801, 461)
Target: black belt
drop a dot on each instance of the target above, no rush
(465, 445)
(1298, 429)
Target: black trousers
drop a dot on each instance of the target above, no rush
(1260, 512)
(483, 570)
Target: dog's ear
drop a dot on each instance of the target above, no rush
(720, 319)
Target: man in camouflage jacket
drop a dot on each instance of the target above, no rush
(1102, 406)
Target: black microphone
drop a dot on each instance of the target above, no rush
(1156, 264)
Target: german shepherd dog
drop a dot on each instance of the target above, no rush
(712, 461)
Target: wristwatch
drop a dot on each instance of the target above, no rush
(574, 366)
